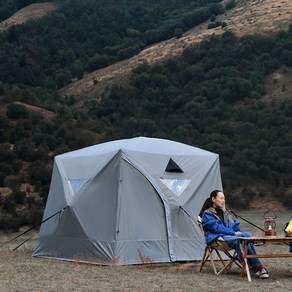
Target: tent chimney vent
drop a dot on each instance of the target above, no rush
(172, 167)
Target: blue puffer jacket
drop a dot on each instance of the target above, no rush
(214, 227)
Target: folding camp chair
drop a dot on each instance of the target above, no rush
(213, 253)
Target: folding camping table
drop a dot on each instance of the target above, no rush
(244, 241)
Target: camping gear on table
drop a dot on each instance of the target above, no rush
(288, 228)
(270, 223)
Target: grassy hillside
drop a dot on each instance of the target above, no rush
(163, 72)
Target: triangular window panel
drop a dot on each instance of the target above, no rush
(172, 166)
(177, 186)
(76, 184)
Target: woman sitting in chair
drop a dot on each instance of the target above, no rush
(217, 222)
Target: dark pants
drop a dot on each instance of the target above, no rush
(233, 242)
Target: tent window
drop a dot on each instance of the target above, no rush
(76, 184)
(177, 186)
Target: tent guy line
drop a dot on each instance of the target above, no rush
(237, 216)
(33, 227)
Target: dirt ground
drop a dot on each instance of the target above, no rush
(21, 272)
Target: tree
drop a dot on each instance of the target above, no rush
(16, 111)
(286, 57)
(62, 78)
(77, 69)
(178, 32)
(97, 62)
(230, 4)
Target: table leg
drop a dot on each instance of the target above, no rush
(245, 267)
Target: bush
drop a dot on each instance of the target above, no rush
(239, 201)
(286, 198)
(7, 154)
(33, 217)
(214, 24)
(19, 197)
(230, 4)
(2, 179)
(248, 193)
(40, 172)
(16, 111)
(13, 181)
(9, 222)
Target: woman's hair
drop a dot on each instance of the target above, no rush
(209, 203)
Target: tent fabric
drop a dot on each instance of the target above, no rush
(120, 206)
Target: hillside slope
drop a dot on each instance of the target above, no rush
(25, 14)
(248, 17)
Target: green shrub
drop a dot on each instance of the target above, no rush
(9, 222)
(238, 201)
(214, 24)
(19, 197)
(230, 4)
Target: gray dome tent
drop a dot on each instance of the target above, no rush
(128, 201)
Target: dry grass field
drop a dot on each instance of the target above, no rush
(21, 272)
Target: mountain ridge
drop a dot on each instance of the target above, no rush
(245, 18)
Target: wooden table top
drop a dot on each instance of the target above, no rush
(266, 238)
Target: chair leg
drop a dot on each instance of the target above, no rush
(226, 266)
(233, 258)
(214, 259)
(204, 259)
(208, 254)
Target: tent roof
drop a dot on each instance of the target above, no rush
(140, 144)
